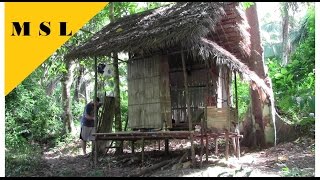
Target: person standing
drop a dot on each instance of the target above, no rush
(87, 124)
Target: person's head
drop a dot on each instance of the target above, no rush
(97, 101)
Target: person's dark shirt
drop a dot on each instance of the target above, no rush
(89, 110)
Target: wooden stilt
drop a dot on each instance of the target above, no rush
(95, 146)
(238, 147)
(132, 147)
(204, 123)
(166, 142)
(159, 145)
(234, 146)
(95, 153)
(238, 133)
(217, 146)
(142, 153)
(188, 108)
(201, 151)
(227, 144)
(207, 147)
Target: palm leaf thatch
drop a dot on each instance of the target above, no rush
(162, 28)
(209, 30)
(224, 57)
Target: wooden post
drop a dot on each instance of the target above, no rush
(207, 147)
(188, 107)
(142, 154)
(234, 146)
(201, 151)
(132, 147)
(206, 116)
(95, 147)
(236, 94)
(159, 144)
(166, 146)
(204, 126)
(217, 146)
(237, 115)
(238, 146)
(227, 144)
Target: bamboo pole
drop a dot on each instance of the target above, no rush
(203, 126)
(206, 114)
(237, 115)
(206, 111)
(217, 146)
(95, 147)
(236, 94)
(227, 145)
(166, 146)
(142, 153)
(188, 107)
(201, 151)
(132, 146)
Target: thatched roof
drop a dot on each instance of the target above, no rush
(170, 26)
(224, 57)
(210, 30)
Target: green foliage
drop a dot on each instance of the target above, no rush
(96, 173)
(294, 84)
(271, 28)
(31, 114)
(243, 97)
(20, 161)
(32, 118)
(77, 111)
(247, 4)
(294, 172)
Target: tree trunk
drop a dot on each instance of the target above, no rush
(285, 33)
(66, 99)
(261, 107)
(83, 90)
(77, 85)
(118, 124)
(52, 85)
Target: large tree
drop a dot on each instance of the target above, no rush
(67, 80)
(261, 105)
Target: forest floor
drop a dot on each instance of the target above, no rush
(295, 158)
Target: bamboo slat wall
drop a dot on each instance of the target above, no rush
(219, 119)
(149, 104)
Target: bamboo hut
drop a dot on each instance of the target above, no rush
(181, 62)
(212, 37)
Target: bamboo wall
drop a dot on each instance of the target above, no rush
(219, 119)
(156, 93)
(149, 104)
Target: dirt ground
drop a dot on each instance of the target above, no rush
(287, 159)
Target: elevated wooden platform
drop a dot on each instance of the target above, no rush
(166, 135)
(158, 135)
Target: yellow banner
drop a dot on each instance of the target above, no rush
(35, 30)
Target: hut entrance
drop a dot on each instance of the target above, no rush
(209, 85)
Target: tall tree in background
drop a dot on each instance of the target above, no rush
(285, 7)
(79, 75)
(285, 32)
(67, 80)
